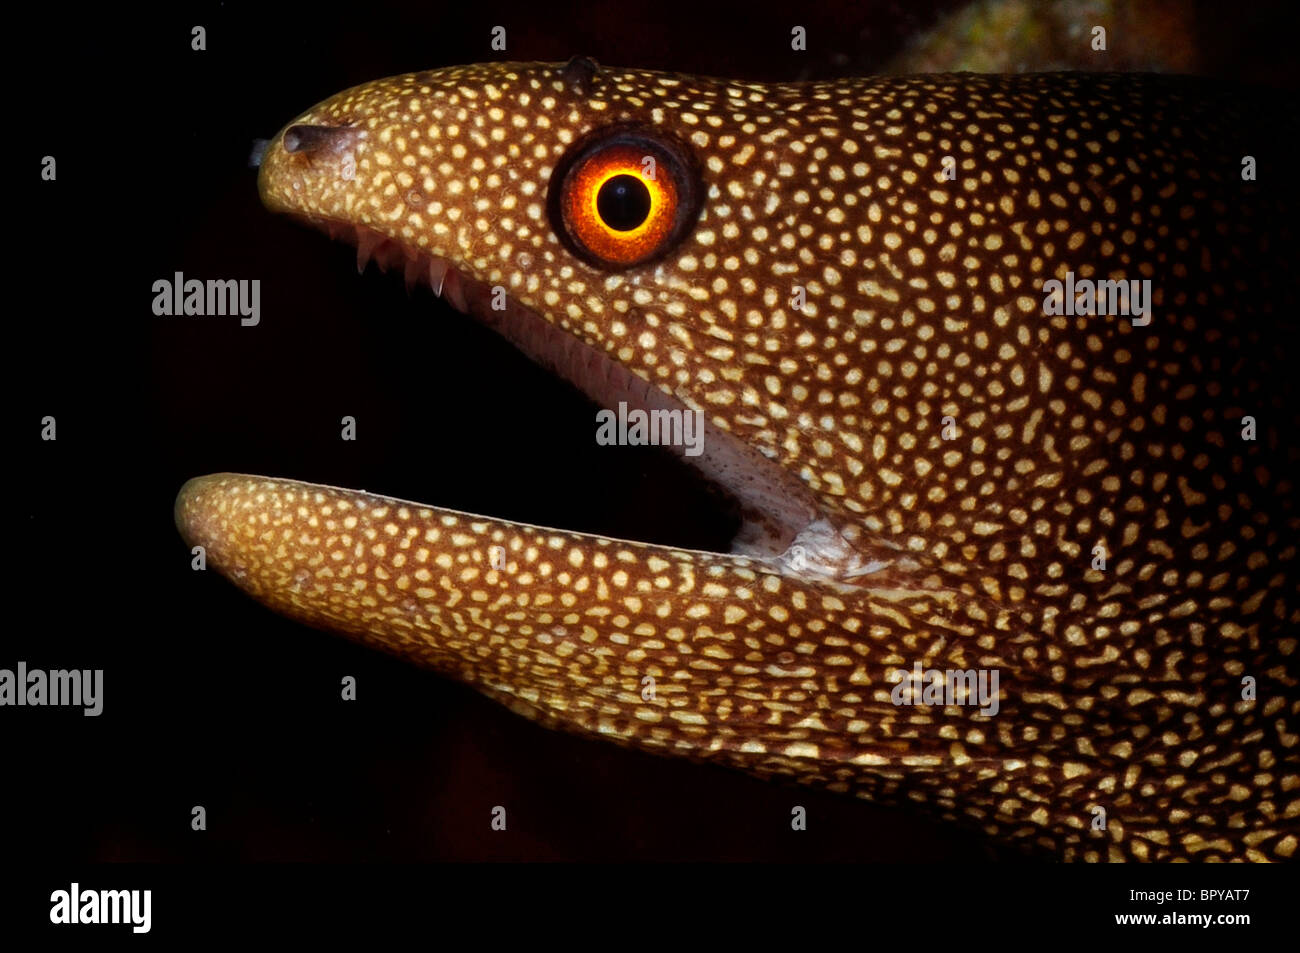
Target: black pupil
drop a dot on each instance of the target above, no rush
(623, 202)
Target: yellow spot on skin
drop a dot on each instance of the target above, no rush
(801, 750)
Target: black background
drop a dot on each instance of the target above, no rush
(210, 699)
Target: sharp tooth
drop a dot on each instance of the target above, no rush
(455, 291)
(367, 241)
(437, 275)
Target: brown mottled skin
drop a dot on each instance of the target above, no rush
(962, 544)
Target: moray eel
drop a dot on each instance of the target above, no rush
(943, 464)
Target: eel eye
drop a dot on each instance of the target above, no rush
(624, 197)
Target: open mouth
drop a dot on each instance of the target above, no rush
(779, 516)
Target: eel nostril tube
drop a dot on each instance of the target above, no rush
(307, 138)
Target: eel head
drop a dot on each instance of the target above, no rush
(997, 558)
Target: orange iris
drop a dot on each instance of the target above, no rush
(580, 204)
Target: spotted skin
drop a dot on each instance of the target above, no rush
(1069, 436)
